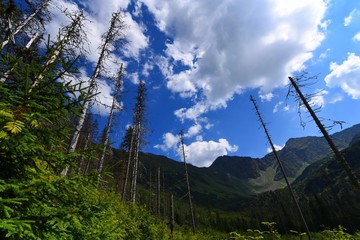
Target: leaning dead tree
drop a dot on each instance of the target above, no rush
(113, 34)
(187, 182)
(303, 101)
(71, 36)
(28, 20)
(281, 167)
(30, 28)
(114, 106)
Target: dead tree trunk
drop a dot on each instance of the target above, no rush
(281, 168)
(135, 162)
(70, 33)
(28, 45)
(114, 105)
(337, 152)
(158, 192)
(128, 164)
(150, 193)
(81, 161)
(137, 135)
(116, 25)
(187, 183)
(43, 5)
(172, 215)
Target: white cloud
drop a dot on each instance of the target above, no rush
(266, 97)
(99, 13)
(336, 98)
(346, 76)
(277, 148)
(192, 113)
(135, 36)
(356, 37)
(147, 68)
(134, 78)
(349, 18)
(170, 141)
(203, 154)
(318, 100)
(244, 44)
(194, 130)
(325, 54)
(276, 107)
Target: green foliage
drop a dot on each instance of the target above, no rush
(54, 207)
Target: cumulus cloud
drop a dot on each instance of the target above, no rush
(276, 107)
(99, 13)
(318, 100)
(348, 20)
(170, 141)
(199, 153)
(336, 98)
(244, 44)
(203, 153)
(356, 37)
(277, 148)
(194, 130)
(266, 97)
(346, 76)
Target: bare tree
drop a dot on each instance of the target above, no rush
(113, 107)
(137, 132)
(71, 35)
(281, 167)
(172, 215)
(158, 192)
(25, 22)
(139, 113)
(304, 101)
(113, 34)
(187, 183)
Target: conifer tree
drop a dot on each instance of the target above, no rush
(137, 135)
(36, 16)
(135, 143)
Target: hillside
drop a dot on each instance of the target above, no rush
(232, 179)
(326, 196)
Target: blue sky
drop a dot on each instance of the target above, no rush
(201, 61)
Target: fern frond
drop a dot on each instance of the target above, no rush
(14, 127)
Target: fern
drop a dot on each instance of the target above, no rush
(14, 127)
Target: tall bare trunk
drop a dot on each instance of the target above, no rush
(281, 168)
(158, 192)
(23, 24)
(136, 163)
(172, 215)
(128, 164)
(108, 125)
(188, 183)
(70, 32)
(338, 154)
(115, 26)
(81, 161)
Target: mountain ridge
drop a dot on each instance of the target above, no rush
(233, 180)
